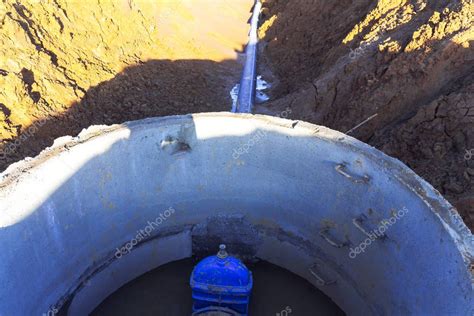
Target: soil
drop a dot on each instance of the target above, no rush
(65, 65)
(407, 66)
(166, 291)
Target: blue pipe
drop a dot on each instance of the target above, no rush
(246, 94)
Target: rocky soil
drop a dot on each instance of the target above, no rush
(407, 66)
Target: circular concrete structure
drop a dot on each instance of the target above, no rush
(94, 212)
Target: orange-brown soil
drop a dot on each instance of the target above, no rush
(406, 64)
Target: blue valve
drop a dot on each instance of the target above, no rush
(221, 283)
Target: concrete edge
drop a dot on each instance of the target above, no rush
(445, 212)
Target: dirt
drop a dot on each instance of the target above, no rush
(403, 67)
(166, 291)
(407, 66)
(65, 65)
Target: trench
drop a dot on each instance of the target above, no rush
(124, 212)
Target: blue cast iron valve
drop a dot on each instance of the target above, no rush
(221, 283)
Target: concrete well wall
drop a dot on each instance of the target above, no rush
(94, 212)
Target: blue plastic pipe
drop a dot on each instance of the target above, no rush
(246, 94)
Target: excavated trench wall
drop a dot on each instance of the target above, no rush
(93, 212)
(408, 65)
